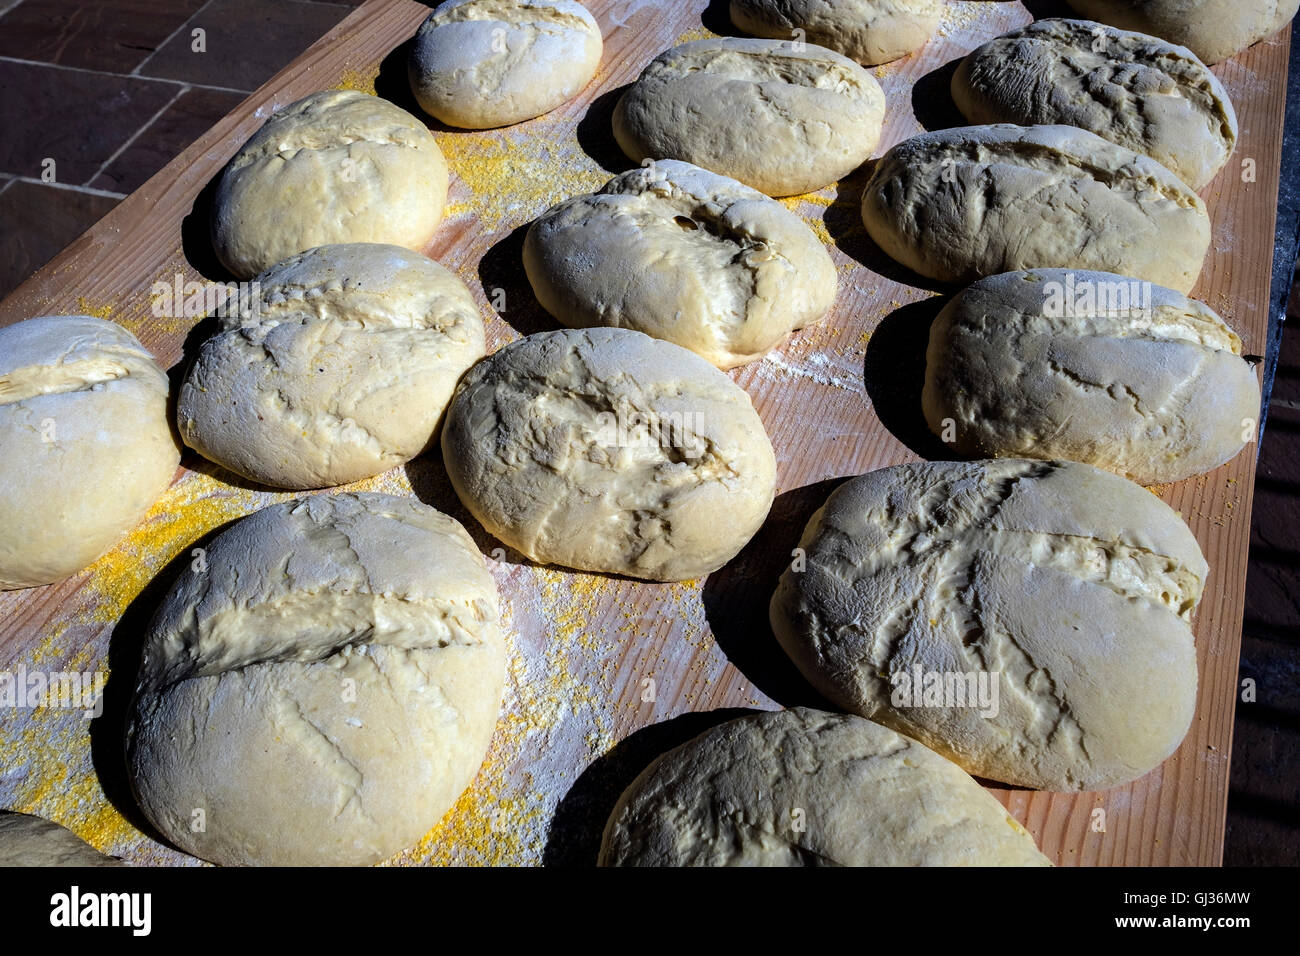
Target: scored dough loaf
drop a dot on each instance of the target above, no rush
(961, 204)
(781, 120)
(86, 444)
(336, 166)
(341, 368)
(322, 688)
(1071, 587)
(477, 64)
(34, 841)
(685, 255)
(869, 31)
(607, 450)
(1142, 93)
(805, 788)
(1155, 391)
(1212, 29)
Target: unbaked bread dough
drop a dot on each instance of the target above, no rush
(1069, 587)
(86, 444)
(782, 120)
(685, 255)
(322, 688)
(805, 788)
(477, 64)
(960, 204)
(336, 166)
(869, 31)
(341, 368)
(1142, 93)
(607, 450)
(1093, 367)
(34, 841)
(1213, 29)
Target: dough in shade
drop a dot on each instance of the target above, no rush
(805, 788)
(478, 64)
(1212, 29)
(339, 368)
(322, 689)
(34, 841)
(869, 31)
(86, 444)
(782, 120)
(336, 166)
(1070, 587)
(607, 450)
(685, 255)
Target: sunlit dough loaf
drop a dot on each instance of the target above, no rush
(1212, 29)
(34, 841)
(869, 31)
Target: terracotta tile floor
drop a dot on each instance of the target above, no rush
(111, 90)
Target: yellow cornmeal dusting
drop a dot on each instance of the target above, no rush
(694, 33)
(361, 80)
(86, 307)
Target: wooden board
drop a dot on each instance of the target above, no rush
(606, 673)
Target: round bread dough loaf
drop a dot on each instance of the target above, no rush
(34, 841)
(685, 255)
(961, 204)
(339, 368)
(1093, 367)
(336, 166)
(86, 444)
(869, 31)
(805, 788)
(322, 688)
(781, 120)
(1142, 93)
(1028, 620)
(477, 64)
(607, 450)
(1212, 29)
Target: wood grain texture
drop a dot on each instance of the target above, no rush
(606, 673)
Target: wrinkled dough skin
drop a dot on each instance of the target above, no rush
(1072, 585)
(781, 121)
(961, 204)
(1212, 29)
(869, 31)
(607, 450)
(805, 788)
(479, 64)
(684, 255)
(1139, 92)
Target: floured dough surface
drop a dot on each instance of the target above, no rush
(869, 31)
(805, 788)
(1150, 385)
(336, 166)
(1142, 93)
(477, 64)
(1071, 587)
(782, 120)
(34, 841)
(607, 450)
(322, 689)
(960, 204)
(86, 443)
(685, 255)
(1212, 29)
(339, 369)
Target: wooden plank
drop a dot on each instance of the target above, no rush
(839, 399)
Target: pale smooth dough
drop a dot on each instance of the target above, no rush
(961, 204)
(1070, 587)
(336, 166)
(322, 688)
(782, 120)
(805, 788)
(339, 369)
(478, 64)
(86, 444)
(34, 841)
(1212, 29)
(869, 31)
(685, 255)
(1090, 366)
(1150, 96)
(607, 450)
